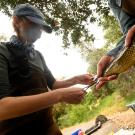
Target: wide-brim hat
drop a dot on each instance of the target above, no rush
(33, 14)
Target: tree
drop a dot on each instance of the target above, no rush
(73, 15)
(112, 32)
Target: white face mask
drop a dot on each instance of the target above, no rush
(32, 34)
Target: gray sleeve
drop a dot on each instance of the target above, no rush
(4, 80)
(114, 52)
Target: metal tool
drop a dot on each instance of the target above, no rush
(95, 81)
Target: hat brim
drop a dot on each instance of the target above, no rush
(41, 22)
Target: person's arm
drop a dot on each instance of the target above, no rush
(108, 58)
(84, 79)
(52, 83)
(130, 36)
(127, 24)
(126, 41)
(11, 107)
(104, 62)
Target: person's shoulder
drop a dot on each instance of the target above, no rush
(39, 54)
(37, 51)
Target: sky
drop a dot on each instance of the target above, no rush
(50, 46)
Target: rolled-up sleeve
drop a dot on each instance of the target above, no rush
(4, 80)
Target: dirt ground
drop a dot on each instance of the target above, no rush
(125, 120)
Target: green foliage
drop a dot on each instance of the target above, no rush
(114, 95)
(111, 98)
(125, 82)
(76, 113)
(112, 30)
(91, 107)
(93, 58)
(74, 16)
(59, 110)
(130, 98)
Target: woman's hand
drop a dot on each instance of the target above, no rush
(71, 95)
